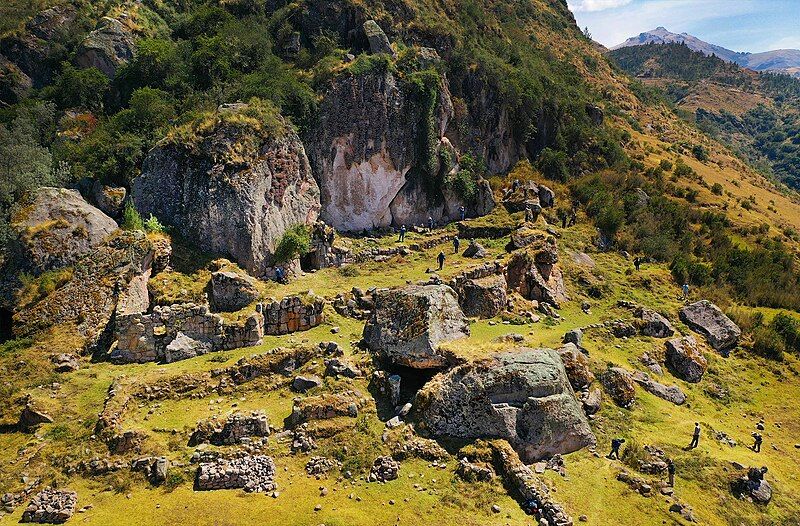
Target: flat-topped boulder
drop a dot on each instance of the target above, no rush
(523, 396)
(707, 319)
(407, 325)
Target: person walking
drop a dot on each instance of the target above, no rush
(430, 224)
(671, 472)
(695, 437)
(757, 444)
(616, 443)
(280, 275)
(463, 212)
(440, 258)
(456, 243)
(402, 233)
(637, 262)
(685, 290)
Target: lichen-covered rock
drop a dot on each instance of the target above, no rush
(407, 325)
(577, 366)
(483, 297)
(236, 188)
(109, 199)
(106, 48)
(707, 319)
(301, 384)
(56, 228)
(378, 41)
(366, 157)
(654, 324)
(231, 292)
(51, 506)
(340, 367)
(685, 360)
(619, 385)
(523, 396)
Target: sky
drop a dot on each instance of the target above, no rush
(740, 25)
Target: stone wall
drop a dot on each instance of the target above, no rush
(182, 331)
(231, 431)
(252, 474)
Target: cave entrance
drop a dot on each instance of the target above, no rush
(411, 380)
(6, 321)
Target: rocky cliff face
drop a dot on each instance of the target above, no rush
(235, 189)
(107, 47)
(366, 155)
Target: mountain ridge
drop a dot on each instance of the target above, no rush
(777, 60)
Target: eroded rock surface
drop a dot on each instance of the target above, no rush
(408, 325)
(523, 396)
(237, 190)
(107, 48)
(685, 360)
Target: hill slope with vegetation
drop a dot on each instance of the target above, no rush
(143, 356)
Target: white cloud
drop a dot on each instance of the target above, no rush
(589, 6)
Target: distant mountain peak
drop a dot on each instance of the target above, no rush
(778, 61)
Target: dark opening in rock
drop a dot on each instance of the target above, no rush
(5, 325)
(411, 380)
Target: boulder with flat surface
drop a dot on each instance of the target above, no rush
(523, 396)
(707, 319)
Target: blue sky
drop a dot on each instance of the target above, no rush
(740, 25)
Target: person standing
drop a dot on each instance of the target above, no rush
(430, 224)
(696, 436)
(637, 262)
(402, 233)
(757, 444)
(685, 289)
(671, 472)
(456, 243)
(463, 212)
(440, 258)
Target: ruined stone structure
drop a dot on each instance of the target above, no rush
(51, 506)
(254, 474)
(232, 430)
(184, 331)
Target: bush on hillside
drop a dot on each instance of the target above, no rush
(295, 242)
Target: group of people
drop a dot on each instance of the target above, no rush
(616, 444)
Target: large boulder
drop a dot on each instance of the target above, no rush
(577, 366)
(407, 325)
(483, 297)
(378, 41)
(535, 274)
(231, 291)
(57, 228)
(236, 186)
(685, 360)
(523, 396)
(654, 324)
(619, 385)
(366, 156)
(106, 48)
(707, 319)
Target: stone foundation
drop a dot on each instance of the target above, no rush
(51, 506)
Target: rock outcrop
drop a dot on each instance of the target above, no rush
(407, 325)
(106, 48)
(366, 155)
(685, 360)
(654, 324)
(577, 366)
(483, 297)
(535, 273)
(57, 228)
(231, 292)
(523, 396)
(237, 186)
(707, 319)
(671, 393)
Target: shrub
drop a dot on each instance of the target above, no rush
(788, 328)
(665, 165)
(294, 242)
(131, 220)
(699, 152)
(153, 225)
(717, 189)
(682, 170)
(633, 454)
(768, 343)
(553, 164)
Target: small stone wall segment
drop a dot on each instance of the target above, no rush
(51, 506)
(253, 474)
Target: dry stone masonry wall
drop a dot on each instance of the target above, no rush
(255, 474)
(182, 331)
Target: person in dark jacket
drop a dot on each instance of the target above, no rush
(696, 436)
(440, 258)
(671, 472)
(616, 443)
(402, 233)
(456, 243)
